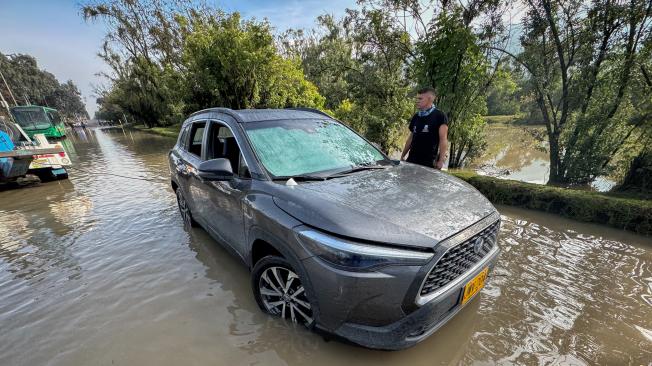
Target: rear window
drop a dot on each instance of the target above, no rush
(196, 138)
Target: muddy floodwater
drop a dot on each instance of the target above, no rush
(98, 270)
(520, 152)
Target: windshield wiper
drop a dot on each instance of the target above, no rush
(357, 168)
(301, 177)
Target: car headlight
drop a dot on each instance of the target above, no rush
(357, 256)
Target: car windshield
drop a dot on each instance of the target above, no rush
(31, 118)
(301, 147)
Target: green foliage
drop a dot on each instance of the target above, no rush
(586, 67)
(378, 123)
(327, 60)
(170, 59)
(147, 93)
(234, 63)
(629, 214)
(31, 85)
(358, 64)
(583, 69)
(639, 175)
(452, 61)
(502, 94)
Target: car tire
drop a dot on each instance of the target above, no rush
(279, 291)
(186, 215)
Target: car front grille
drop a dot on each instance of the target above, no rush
(460, 258)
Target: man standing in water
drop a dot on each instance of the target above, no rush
(427, 144)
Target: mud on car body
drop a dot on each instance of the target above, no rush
(337, 236)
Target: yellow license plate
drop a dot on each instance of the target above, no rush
(475, 285)
(37, 163)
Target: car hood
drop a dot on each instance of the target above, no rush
(406, 204)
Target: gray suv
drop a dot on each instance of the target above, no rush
(337, 236)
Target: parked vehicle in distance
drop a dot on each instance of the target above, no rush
(337, 236)
(36, 119)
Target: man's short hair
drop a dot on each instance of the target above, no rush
(427, 89)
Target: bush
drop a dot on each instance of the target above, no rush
(623, 213)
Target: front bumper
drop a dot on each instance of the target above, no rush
(376, 310)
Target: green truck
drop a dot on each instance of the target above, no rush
(36, 119)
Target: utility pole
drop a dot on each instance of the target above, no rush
(8, 88)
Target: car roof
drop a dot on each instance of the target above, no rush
(257, 115)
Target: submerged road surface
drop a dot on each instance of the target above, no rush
(98, 270)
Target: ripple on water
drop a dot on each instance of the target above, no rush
(571, 297)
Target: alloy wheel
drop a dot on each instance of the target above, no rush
(283, 295)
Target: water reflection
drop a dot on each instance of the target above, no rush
(37, 228)
(514, 152)
(521, 153)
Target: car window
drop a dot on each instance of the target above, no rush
(224, 145)
(183, 137)
(196, 138)
(295, 147)
(243, 169)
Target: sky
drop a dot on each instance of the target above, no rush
(55, 33)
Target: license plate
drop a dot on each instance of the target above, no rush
(475, 285)
(38, 163)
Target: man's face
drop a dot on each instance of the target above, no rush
(424, 100)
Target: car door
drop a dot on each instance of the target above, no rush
(178, 167)
(193, 155)
(225, 198)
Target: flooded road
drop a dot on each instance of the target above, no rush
(98, 269)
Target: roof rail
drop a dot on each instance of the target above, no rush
(313, 110)
(227, 111)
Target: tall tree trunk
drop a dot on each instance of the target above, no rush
(451, 160)
(556, 174)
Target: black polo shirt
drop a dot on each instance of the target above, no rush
(425, 137)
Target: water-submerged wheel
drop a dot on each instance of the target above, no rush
(279, 291)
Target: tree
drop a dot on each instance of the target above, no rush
(452, 61)
(443, 50)
(358, 63)
(67, 99)
(169, 58)
(143, 49)
(234, 63)
(582, 60)
(502, 94)
(31, 85)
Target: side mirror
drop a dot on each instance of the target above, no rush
(215, 169)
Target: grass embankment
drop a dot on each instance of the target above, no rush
(508, 118)
(513, 119)
(169, 131)
(623, 213)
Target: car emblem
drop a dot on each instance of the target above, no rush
(477, 245)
